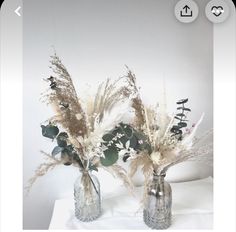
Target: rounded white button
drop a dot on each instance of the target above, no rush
(186, 11)
(217, 11)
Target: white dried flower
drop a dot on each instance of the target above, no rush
(120, 145)
(79, 116)
(126, 150)
(156, 157)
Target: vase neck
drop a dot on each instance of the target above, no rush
(159, 176)
(85, 172)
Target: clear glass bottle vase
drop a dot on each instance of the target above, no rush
(87, 197)
(158, 203)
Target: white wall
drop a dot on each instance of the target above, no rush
(96, 39)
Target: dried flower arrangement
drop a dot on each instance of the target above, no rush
(94, 135)
(156, 141)
(81, 130)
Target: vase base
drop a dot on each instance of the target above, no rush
(156, 222)
(87, 219)
(87, 214)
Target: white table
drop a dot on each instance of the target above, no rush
(192, 209)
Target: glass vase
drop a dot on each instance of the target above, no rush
(87, 197)
(158, 203)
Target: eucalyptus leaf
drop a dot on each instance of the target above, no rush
(142, 141)
(93, 167)
(67, 163)
(133, 142)
(61, 139)
(140, 136)
(67, 157)
(148, 148)
(180, 115)
(182, 101)
(69, 150)
(182, 124)
(128, 130)
(183, 108)
(57, 150)
(50, 131)
(176, 131)
(108, 137)
(175, 127)
(111, 156)
(117, 130)
(123, 140)
(177, 118)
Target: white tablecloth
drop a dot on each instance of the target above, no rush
(192, 209)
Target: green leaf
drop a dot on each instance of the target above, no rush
(108, 137)
(140, 136)
(175, 127)
(117, 130)
(182, 124)
(123, 140)
(67, 163)
(61, 139)
(111, 156)
(180, 115)
(143, 145)
(183, 108)
(112, 146)
(93, 167)
(141, 140)
(148, 148)
(69, 148)
(56, 150)
(176, 130)
(133, 142)
(65, 155)
(49, 131)
(128, 130)
(182, 101)
(177, 118)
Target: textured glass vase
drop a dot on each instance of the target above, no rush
(157, 208)
(87, 197)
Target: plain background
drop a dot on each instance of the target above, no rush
(95, 39)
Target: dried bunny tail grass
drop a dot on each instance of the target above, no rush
(143, 160)
(108, 95)
(137, 103)
(200, 154)
(139, 120)
(162, 117)
(71, 117)
(42, 169)
(77, 145)
(208, 134)
(187, 141)
(110, 120)
(119, 172)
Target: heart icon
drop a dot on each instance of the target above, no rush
(217, 10)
